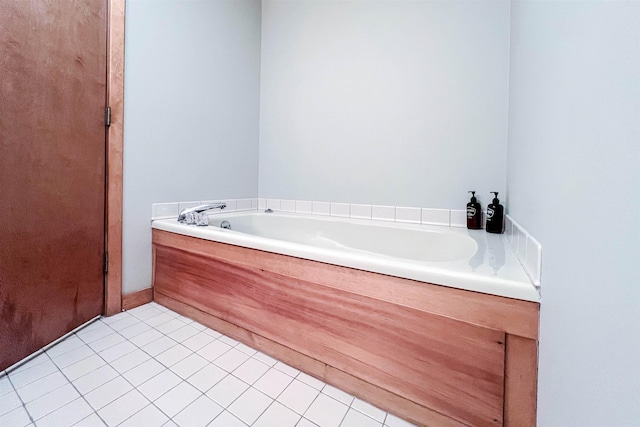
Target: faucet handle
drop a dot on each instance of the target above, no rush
(202, 219)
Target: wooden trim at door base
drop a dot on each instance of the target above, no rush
(115, 141)
(137, 299)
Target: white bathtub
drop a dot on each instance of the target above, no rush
(455, 257)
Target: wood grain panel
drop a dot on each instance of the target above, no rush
(384, 399)
(115, 145)
(137, 299)
(521, 381)
(513, 316)
(450, 366)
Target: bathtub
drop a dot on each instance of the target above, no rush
(437, 325)
(456, 257)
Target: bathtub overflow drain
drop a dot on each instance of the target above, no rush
(225, 224)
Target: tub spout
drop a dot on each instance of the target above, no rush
(193, 215)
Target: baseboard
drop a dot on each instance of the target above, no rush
(136, 299)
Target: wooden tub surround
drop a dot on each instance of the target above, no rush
(433, 355)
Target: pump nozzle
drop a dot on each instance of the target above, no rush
(495, 198)
(473, 196)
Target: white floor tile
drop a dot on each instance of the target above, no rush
(70, 343)
(146, 337)
(338, 394)
(83, 367)
(326, 411)
(123, 323)
(289, 370)
(213, 333)
(160, 319)
(207, 377)
(298, 396)
(134, 330)
(123, 408)
(199, 413)
(273, 382)
(106, 342)
(117, 351)
(95, 379)
(107, 393)
(198, 326)
(227, 419)
(130, 361)
(198, 341)
(149, 416)
(265, 358)
(5, 385)
(214, 350)
(251, 370)
(15, 418)
(35, 359)
(394, 421)
(305, 423)
(144, 372)
(92, 420)
(277, 415)
(33, 373)
(115, 318)
(48, 403)
(173, 355)
(145, 312)
(93, 333)
(246, 349)
(368, 409)
(170, 325)
(68, 415)
(250, 405)
(183, 333)
(176, 399)
(358, 419)
(231, 360)
(228, 340)
(42, 386)
(159, 385)
(9, 402)
(71, 357)
(189, 365)
(227, 390)
(309, 380)
(158, 346)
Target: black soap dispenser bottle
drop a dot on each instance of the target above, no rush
(495, 216)
(474, 213)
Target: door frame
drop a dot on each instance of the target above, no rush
(114, 163)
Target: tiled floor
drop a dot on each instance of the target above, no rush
(152, 367)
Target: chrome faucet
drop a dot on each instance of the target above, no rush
(195, 214)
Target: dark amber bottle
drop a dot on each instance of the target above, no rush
(474, 213)
(495, 216)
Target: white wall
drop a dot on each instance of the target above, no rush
(192, 80)
(574, 183)
(384, 102)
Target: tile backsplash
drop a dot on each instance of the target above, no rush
(524, 246)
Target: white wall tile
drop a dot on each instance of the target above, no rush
(458, 218)
(412, 215)
(533, 263)
(164, 210)
(273, 204)
(521, 252)
(303, 206)
(244, 204)
(254, 203)
(262, 204)
(186, 205)
(340, 209)
(436, 216)
(321, 208)
(385, 213)
(288, 205)
(361, 211)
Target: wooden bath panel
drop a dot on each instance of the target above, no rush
(432, 354)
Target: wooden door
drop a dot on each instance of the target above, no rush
(52, 170)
